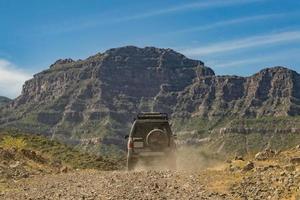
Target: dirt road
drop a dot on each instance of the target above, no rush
(267, 182)
(275, 178)
(115, 185)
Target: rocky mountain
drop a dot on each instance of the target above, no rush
(4, 101)
(94, 100)
(271, 92)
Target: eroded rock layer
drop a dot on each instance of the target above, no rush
(100, 95)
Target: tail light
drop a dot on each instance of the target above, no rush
(130, 144)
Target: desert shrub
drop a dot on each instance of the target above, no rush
(57, 151)
(10, 142)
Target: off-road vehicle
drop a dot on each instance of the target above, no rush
(151, 141)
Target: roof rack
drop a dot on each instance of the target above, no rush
(152, 115)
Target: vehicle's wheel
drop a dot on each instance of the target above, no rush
(157, 139)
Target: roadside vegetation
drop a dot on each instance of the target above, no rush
(55, 151)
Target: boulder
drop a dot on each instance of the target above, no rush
(295, 160)
(249, 166)
(265, 155)
(239, 158)
(64, 169)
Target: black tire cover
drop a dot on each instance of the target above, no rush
(157, 139)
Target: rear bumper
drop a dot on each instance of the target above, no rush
(150, 154)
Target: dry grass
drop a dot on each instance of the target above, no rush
(9, 142)
(220, 180)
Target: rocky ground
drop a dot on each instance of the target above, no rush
(114, 185)
(270, 175)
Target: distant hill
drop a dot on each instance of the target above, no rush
(93, 101)
(4, 101)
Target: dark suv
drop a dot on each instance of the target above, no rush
(151, 141)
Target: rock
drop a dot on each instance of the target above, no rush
(238, 158)
(228, 161)
(260, 156)
(264, 155)
(290, 167)
(233, 168)
(56, 163)
(283, 173)
(64, 169)
(295, 160)
(6, 154)
(33, 155)
(61, 62)
(249, 166)
(16, 164)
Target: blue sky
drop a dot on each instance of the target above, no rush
(231, 36)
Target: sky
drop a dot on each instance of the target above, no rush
(233, 37)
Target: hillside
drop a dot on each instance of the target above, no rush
(92, 102)
(4, 101)
(26, 155)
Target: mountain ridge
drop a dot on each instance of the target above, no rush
(98, 96)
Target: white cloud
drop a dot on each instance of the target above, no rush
(11, 79)
(189, 6)
(249, 42)
(73, 25)
(234, 21)
(271, 58)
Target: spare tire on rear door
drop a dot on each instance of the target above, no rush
(157, 139)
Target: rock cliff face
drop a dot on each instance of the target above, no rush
(100, 95)
(271, 92)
